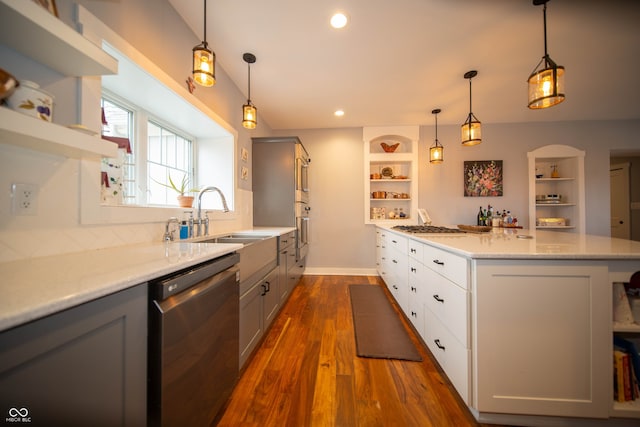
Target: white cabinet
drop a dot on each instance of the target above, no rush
(32, 31)
(542, 338)
(447, 314)
(556, 188)
(396, 268)
(393, 175)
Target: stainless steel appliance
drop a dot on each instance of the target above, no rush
(281, 187)
(193, 342)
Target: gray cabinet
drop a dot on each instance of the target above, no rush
(82, 366)
(286, 265)
(259, 305)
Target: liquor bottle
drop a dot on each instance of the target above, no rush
(480, 218)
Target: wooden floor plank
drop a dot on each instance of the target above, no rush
(306, 372)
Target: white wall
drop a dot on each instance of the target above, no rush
(56, 228)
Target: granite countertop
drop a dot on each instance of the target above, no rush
(542, 244)
(37, 287)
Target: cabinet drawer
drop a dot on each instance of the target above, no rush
(416, 250)
(287, 240)
(449, 303)
(451, 266)
(416, 295)
(397, 264)
(399, 243)
(452, 356)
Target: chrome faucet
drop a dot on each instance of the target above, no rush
(168, 235)
(199, 221)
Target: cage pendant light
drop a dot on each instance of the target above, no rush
(249, 111)
(204, 59)
(546, 82)
(471, 129)
(436, 152)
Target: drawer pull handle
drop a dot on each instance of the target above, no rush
(414, 289)
(437, 298)
(394, 241)
(440, 346)
(264, 290)
(394, 261)
(394, 287)
(437, 261)
(414, 314)
(413, 269)
(413, 251)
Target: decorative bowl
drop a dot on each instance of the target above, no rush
(389, 148)
(29, 99)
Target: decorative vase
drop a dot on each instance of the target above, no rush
(185, 201)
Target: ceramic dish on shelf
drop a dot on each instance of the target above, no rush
(29, 99)
(389, 148)
(387, 172)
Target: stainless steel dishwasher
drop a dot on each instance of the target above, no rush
(193, 342)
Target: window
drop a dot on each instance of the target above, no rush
(167, 156)
(168, 160)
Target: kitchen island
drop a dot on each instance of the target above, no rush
(521, 326)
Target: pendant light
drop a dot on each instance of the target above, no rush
(249, 111)
(436, 152)
(204, 59)
(546, 82)
(471, 129)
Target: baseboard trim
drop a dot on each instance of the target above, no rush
(335, 271)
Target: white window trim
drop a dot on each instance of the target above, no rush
(90, 92)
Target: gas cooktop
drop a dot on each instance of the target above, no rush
(419, 229)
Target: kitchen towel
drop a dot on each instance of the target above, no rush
(379, 332)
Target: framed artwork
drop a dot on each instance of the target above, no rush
(483, 178)
(50, 5)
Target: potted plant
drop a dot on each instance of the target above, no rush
(184, 201)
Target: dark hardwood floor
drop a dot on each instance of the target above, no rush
(306, 372)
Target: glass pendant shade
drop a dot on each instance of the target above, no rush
(546, 82)
(546, 85)
(204, 72)
(249, 111)
(471, 130)
(249, 116)
(436, 152)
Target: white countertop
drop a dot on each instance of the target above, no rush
(36, 287)
(503, 243)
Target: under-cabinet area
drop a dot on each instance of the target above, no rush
(522, 329)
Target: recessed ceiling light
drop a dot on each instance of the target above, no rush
(339, 113)
(339, 20)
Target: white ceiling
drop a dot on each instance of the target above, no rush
(398, 60)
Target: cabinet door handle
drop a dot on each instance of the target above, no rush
(394, 241)
(414, 314)
(268, 286)
(437, 298)
(436, 261)
(394, 261)
(413, 251)
(413, 289)
(264, 290)
(394, 287)
(440, 346)
(413, 269)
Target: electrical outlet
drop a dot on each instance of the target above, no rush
(24, 199)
